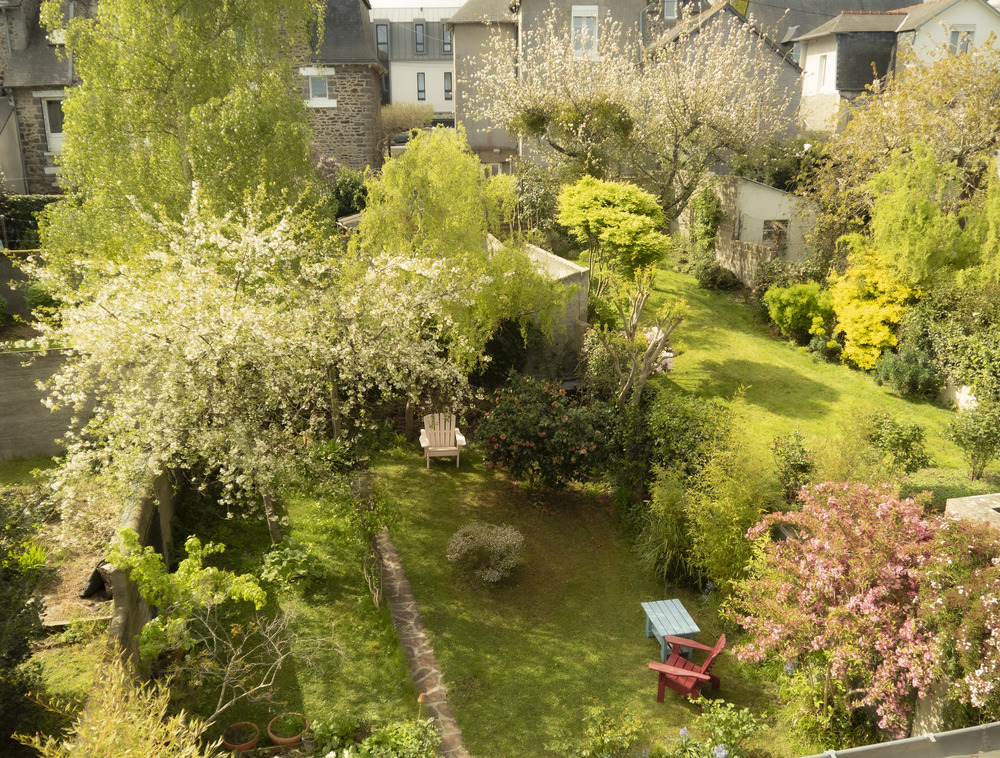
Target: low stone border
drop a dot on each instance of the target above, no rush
(419, 653)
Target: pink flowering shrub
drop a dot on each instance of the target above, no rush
(536, 433)
(844, 594)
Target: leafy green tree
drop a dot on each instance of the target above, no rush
(618, 222)
(399, 118)
(174, 93)
(948, 105)
(433, 203)
(918, 220)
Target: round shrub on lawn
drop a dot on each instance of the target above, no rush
(488, 551)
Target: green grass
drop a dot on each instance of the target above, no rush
(720, 349)
(523, 661)
(350, 664)
(18, 470)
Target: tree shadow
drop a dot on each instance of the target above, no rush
(777, 389)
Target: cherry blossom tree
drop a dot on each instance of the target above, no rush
(238, 345)
(664, 118)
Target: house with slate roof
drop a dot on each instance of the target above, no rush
(342, 87)
(847, 54)
(34, 78)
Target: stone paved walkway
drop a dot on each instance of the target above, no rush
(419, 654)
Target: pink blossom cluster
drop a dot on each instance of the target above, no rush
(885, 597)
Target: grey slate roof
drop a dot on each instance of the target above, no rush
(905, 19)
(37, 65)
(775, 22)
(484, 12)
(347, 34)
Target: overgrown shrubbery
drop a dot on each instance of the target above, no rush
(901, 444)
(910, 372)
(795, 464)
(487, 551)
(664, 545)
(800, 310)
(683, 428)
(19, 612)
(607, 733)
(536, 433)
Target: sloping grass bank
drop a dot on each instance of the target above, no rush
(720, 349)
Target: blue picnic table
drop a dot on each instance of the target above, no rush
(669, 618)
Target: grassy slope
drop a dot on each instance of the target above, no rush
(720, 349)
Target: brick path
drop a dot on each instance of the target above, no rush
(419, 654)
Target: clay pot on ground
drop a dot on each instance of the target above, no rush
(241, 736)
(286, 729)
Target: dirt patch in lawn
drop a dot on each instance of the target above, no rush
(60, 590)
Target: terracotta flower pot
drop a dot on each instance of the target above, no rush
(286, 741)
(238, 731)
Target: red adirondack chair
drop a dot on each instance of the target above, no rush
(684, 676)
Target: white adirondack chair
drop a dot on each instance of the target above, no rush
(440, 437)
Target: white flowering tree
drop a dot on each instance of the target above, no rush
(238, 344)
(711, 89)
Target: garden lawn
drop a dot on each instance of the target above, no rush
(352, 666)
(523, 661)
(720, 349)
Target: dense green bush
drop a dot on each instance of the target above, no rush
(607, 733)
(713, 276)
(901, 444)
(536, 433)
(38, 297)
(800, 310)
(19, 613)
(795, 464)
(727, 728)
(20, 215)
(3, 309)
(977, 432)
(490, 552)
(507, 350)
(682, 429)
(400, 739)
(911, 372)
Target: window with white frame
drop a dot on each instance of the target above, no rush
(585, 31)
(961, 39)
(52, 115)
(317, 86)
(418, 38)
(447, 85)
(421, 86)
(821, 75)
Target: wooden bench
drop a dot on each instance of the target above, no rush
(669, 618)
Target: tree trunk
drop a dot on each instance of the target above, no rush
(335, 427)
(273, 527)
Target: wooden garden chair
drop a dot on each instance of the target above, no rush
(440, 437)
(684, 676)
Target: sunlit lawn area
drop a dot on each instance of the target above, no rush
(523, 661)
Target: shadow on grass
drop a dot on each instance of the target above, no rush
(778, 390)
